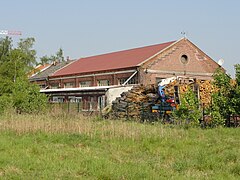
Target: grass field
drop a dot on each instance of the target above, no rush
(77, 147)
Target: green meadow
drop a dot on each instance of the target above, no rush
(78, 147)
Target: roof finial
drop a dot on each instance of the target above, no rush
(184, 34)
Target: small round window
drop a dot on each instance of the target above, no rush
(184, 59)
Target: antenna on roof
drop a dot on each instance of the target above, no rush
(220, 62)
(184, 34)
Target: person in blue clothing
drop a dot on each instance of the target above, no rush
(161, 92)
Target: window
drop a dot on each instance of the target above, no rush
(69, 85)
(55, 86)
(121, 81)
(184, 59)
(42, 86)
(131, 81)
(85, 84)
(58, 99)
(74, 99)
(101, 102)
(91, 104)
(103, 83)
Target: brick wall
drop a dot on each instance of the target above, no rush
(112, 77)
(168, 64)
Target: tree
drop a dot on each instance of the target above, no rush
(236, 94)
(28, 54)
(58, 57)
(226, 98)
(5, 47)
(26, 98)
(15, 64)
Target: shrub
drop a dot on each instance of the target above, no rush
(188, 112)
(5, 103)
(27, 99)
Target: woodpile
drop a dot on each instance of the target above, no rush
(139, 98)
(131, 103)
(205, 90)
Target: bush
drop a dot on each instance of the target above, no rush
(5, 103)
(27, 99)
(188, 112)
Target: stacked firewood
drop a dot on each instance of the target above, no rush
(205, 90)
(139, 98)
(134, 101)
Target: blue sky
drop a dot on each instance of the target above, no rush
(90, 27)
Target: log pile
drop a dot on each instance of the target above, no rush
(205, 91)
(139, 98)
(131, 103)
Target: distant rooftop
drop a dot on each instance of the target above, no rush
(49, 70)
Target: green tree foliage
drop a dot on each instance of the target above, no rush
(226, 99)
(15, 89)
(58, 57)
(26, 97)
(16, 62)
(236, 95)
(221, 99)
(188, 113)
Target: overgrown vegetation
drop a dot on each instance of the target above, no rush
(225, 101)
(77, 147)
(226, 98)
(188, 112)
(16, 92)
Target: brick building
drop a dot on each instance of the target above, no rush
(93, 78)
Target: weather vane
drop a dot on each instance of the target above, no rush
(184, 34)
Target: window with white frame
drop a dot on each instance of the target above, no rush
(74, 99)
(104, 82)
(85, 84)
(55, 86)
(69, 85)
(133, 80)
(58, 99)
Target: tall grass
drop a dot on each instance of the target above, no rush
(63, 146)
(88, 125)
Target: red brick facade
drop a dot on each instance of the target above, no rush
(168, 63)
(112, 76)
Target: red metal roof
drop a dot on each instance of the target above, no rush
(111, 61)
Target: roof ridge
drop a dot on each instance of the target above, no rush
(114, 60)
(136, 48)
